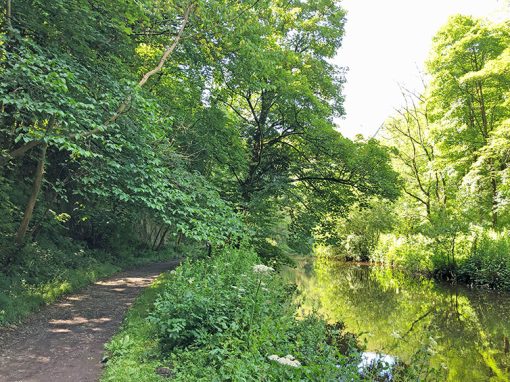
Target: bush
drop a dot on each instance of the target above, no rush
(359, 231)
(203, 299)
(220, 320)
(414, 252)
(489, 261)
(272, 253)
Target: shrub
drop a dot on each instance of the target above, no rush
(489, 261)
(413, 252)
(359, 231)
(219, 320)
(204, 299)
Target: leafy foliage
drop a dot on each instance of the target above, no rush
(450, 149)
(217, 319)
(228, 135)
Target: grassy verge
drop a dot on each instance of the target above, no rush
(134, 350)
(229, 319)
(45, 273)
(224, 319)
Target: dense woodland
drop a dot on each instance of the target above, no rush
(130, 124)
(130, 129)
(450, 146)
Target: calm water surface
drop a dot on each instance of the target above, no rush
(466, 330)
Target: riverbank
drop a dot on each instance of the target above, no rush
(462, 332)
(478, 258)
(231, 318)
(225, 318)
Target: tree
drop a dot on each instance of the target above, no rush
(469, 105)
(48, 110)
(179, 113)
(409, 133)
(280, 91)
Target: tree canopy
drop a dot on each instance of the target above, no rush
(210, 119)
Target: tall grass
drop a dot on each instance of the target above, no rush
(479, 257)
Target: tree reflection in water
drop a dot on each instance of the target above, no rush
(465, 330)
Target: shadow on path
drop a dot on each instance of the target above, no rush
(64, 341)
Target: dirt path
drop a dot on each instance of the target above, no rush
(64, 341)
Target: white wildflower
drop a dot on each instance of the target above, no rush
(288, 360)
(261, 268)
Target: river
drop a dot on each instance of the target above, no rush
(461, 331)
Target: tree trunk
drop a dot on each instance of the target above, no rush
(494, 189)
(39, 174)
(454, 238)
(162, 240)
(494, 192)
(180, 237)
(19, 152)
(8, 14)
(156, 239)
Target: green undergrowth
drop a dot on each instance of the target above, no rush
(478, 258)
(220, 320)
(225, 319)
(43, 272)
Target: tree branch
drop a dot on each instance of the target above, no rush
(166, 54)
(19, 152)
